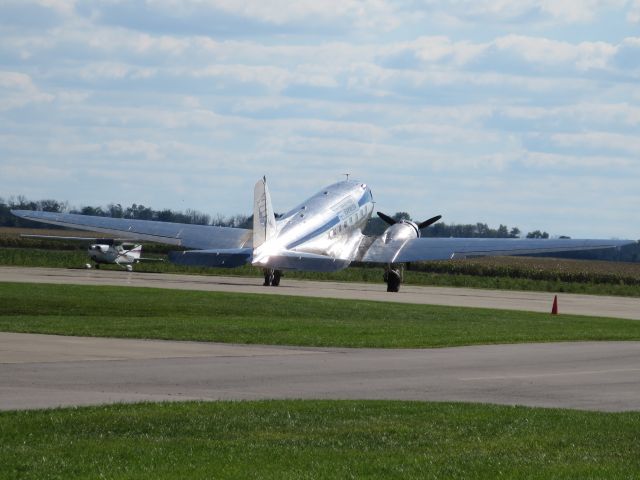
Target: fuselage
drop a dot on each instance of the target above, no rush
(119, 254)
(329, 223)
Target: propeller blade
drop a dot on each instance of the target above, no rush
(431, 221)
(387, 218)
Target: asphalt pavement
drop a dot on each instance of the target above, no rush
(39, 371)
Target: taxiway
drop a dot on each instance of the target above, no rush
(38, 371)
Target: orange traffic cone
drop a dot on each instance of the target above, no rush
(554, 309)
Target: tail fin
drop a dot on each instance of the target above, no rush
(135, 252)
(264, 220)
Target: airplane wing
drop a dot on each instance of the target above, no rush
(422, 249)
(181, 234)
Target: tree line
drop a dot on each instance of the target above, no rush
(140, 212)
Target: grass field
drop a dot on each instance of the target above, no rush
(272, 319)
(318, 439)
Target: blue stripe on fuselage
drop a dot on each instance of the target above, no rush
(331, 223)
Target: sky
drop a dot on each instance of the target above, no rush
(525, 112)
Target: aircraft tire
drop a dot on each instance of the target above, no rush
(393, 280)
(268, 278)
(275, 281)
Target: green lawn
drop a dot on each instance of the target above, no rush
(318, 439)
(279, 320)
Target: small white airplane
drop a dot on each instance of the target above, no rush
(323, 233)
(106, 250)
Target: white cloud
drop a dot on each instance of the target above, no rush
(599, 141)
(555, 161)
(524, 11)
(587, 113)
(363, 14)
(61, 6)
(17, 90)
(633, 15)
(16, 80)
(541, 51)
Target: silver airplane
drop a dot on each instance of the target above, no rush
(106, 250)
(323, 233)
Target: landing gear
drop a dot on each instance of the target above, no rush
(97, 266)
(393, 278)
(272, 277)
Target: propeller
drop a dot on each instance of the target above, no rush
(431, 221)
(393, 221)
(387, 218)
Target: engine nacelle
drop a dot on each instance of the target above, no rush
(403, 230)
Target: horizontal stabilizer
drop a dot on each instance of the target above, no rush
(225, 258)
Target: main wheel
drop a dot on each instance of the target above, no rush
(275, 281)
(393, 280)
(268, 277)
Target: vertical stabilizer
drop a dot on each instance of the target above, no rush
(136, 252)
(264, 220)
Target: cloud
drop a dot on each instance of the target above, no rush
(599, 142)
(25, 15)
(17, 90)
(537, 59)
(543, 52)
(523, 12)
(627, 56)
(243, 19)
(633, 16)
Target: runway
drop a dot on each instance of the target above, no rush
(38, 371)
(599, 306)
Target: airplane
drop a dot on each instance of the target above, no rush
(106, 250)
(323, 233)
